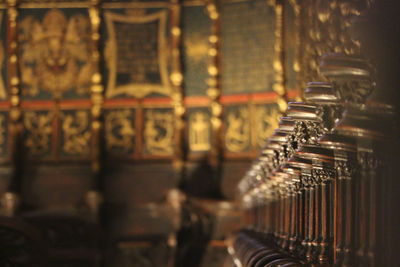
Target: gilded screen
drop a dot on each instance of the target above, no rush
(54, 53)
(136, 54)
(247, 47)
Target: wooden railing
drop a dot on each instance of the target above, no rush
(315, 194)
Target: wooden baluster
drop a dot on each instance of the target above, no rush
(362, 211)
(324, 256)
(373, 199)
(317, 222)
(306, 229)
(349, 192)
(311, 222)
(293, 221)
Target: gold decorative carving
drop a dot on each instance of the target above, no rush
(213, 83)
(176, 78)
(3, 92)
(39, 127)
(266, 121)
(2, 132)
(199, 131)
(158, 132)
(140, 57)
(196, 48)
(237, 136)
(96, 88)
(76, 133)
(55, 54)
(326, 30)
(120, 132)
(279, 61)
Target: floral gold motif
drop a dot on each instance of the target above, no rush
(158, 132)
(76, 133)
(39, 127)
(120, 132)
(55, 54)
(266, 121)
(238, 130)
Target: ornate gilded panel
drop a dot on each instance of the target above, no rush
(75, 132)
(3, 91)
(265, 122)
(54, 53)
(136, 53)
(247, 47)
(196, 30)
(39, 132)
(3, 133)
(199, 131)
(120, 131)
(158, 132)
(237, 128)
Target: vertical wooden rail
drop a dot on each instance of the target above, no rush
(10, 199)
(94, 196)
(214, 87)
(177, 90)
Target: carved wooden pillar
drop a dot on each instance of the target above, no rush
(94, 196)
(10, 200)
(176, 78)
(214, 86)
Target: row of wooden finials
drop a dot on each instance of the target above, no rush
(313, 197)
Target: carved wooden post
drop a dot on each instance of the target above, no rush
(10, 200)
(177, 96)
(214, 87)
(94, 196)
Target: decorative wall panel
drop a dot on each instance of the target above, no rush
(75, 133)
(196, 30)
(136, 53)
(120, 131)
(237, 129)
(38, 125)
(199, 132)
(54, 53)
(265, 122)
(247, 47)
(158, 132)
